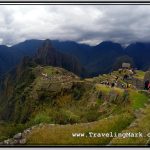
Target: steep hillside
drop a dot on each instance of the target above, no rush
(51, 95)
(17, 84)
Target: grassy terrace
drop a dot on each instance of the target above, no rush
(82, 109)
(107, 89)
(143, 126)
(139, 74)
(62, 134)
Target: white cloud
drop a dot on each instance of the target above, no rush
(1, 41)
(88, 24)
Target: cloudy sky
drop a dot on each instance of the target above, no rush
(82, 23)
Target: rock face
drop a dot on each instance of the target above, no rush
(48, 55)
(18, 136)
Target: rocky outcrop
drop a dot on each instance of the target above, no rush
(20, 138)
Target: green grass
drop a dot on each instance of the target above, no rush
(137, 99)
(41, 102)
(8, 130)
(139, 74)
(99, 101)
(103, 88)
(107, 89)
(62, 135)
(49, 70)
(143, 126)
(66, 111)
(118, 90)
(41, 117)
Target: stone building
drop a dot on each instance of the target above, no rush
(126, 65)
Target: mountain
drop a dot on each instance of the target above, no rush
(96, 60)
(44, 102)
(123, 59)
(103, 56)
(11, 56)
(34, 87)
(140, 53)
(25, 73)
(48, 55)
(5, 58)
(81, 51)
(26, 48)
(92, 58)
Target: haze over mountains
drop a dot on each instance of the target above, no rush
(85, 59)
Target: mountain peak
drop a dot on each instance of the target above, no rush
(105, 43)
(109, 44)
(48, 55)
(47, 42)
(47, 45)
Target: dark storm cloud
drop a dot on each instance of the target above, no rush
(85, 24)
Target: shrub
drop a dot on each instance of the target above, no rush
(92, 114)
(99, 101)
(78, 91)
(8, 130)
(65, 117)
(42, 118)
(125, 96)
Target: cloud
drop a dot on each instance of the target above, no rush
(83, 23)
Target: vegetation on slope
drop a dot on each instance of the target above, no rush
(62, 135)
(141, 125)
(52, 95)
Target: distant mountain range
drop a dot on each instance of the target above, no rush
(83, 59)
